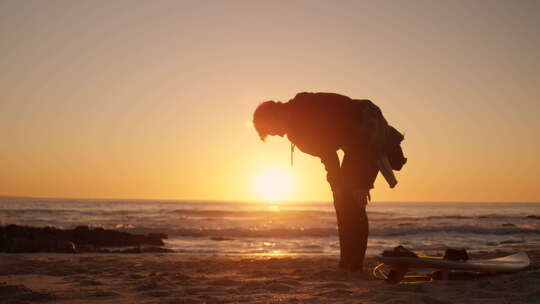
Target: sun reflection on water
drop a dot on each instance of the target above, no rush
(274, 208)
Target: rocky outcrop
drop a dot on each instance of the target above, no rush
(16, 239)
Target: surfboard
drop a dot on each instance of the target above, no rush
(400, 265)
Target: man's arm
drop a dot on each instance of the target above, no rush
(333, 172)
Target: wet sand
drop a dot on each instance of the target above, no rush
(181, 278)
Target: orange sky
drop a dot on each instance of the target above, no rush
(150, 99)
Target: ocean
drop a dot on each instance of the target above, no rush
(265, 228)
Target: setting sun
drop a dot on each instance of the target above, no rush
(274, 184)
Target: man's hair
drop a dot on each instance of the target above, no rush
(264, 117)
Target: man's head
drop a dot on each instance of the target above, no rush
(270, 118)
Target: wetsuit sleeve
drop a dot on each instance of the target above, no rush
(331, 164)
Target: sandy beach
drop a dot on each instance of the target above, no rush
(181, 278)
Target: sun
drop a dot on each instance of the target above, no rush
(274, 184)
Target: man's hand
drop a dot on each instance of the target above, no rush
(333, 172)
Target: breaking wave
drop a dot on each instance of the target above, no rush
(331, 232)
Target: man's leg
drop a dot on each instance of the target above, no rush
(359, 172)
(361, 229)
(353, 225)
(341, 212)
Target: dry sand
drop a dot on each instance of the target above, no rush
(180, 278)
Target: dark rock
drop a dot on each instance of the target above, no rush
(149, 249)
(70, 247)
(14, 238)
(81, 229)
(46, 244)
(535, 217)
(155, 249)
(158, 236)
(131, 250)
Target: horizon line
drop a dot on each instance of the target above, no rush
(247, 201)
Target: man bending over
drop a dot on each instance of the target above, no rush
(319, 124)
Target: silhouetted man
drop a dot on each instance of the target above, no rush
(322, 123)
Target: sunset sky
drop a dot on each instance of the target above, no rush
(153, 99)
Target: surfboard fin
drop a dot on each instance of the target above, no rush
(386, 169)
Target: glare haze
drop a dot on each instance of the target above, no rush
(152, 99)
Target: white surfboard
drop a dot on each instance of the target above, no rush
(511, 263)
